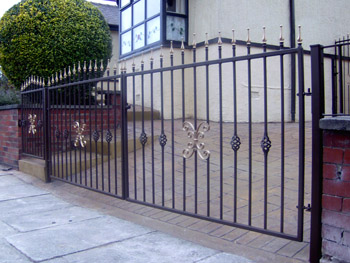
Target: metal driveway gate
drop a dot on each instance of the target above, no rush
(195, 138)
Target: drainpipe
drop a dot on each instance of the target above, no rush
(292, 45)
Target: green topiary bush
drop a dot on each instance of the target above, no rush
(41, 37)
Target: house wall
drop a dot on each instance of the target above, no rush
(227, 14)
(322, 21)
(115, 48)
(273, 85)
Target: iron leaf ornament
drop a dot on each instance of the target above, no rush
(32, 128)
(196, 135)
(79, 140)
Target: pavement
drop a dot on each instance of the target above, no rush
(39, 225)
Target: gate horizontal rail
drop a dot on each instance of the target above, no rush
(189, 143)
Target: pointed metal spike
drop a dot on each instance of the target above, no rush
(171, 48)
(194, 44)
(60, 77)
(95, 68)
(141, 60)
(101, 66)
(300, 40)
(233, 41)
(248, 38)
(115, 67)
(219, 39)
(69, 72)
(206, 42)
(281, 34)
(182, 45)
(151, 58)
(56, 77)
(90, 65)
(64, 73)
(264, 40)
(108, 64)
(161, 51)
(48, 81)
(74, 70)
(79, 66)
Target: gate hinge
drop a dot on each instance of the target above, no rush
(306, 208)
(308, 93)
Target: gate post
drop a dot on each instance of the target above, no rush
(124, 136)
(46, 124)
(317, 78)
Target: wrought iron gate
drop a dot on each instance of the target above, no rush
(185, 138)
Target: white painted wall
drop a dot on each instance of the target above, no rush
(321, 20)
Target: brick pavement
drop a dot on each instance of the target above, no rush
(146, 180)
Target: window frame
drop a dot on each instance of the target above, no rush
(162, 17)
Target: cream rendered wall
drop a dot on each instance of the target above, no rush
(320, 25)
(212, 16)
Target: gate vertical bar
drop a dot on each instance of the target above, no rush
(340, 79)
(317, 78)
(301, 140)
(46, 126)
(221, 130)
(250, 133)
(124, 113)
(282, 134)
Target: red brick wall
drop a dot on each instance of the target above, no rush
(10, 136)
(336, 196)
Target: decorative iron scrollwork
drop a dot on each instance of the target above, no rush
(32, 128)
(143, 138)
(80, 137)
(266, 144)
(235, 143)
(57, 133)
(95, 135)
(40, 124)
(109, 136)
(195, 136)
(65, 134)
(162, 140)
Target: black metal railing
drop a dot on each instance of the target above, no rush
(198, 139)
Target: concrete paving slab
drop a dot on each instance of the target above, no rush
(30, 205)
(9, 254)
(154, 247)
(66, 239)
(19, 191)
(10, 180)
(50, 218)
(225, 258)
(6, 230)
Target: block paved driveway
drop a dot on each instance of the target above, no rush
(149, 173)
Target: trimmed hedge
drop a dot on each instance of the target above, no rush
(41, 37)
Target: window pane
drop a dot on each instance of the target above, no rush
(139, 36)
(139, 12)
(126, 42)
(124, 3)
(175, 28)
(153, 30)
(176, 6)
(153, 7)
(126, 19)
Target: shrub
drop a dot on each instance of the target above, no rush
(9, 96)
(41, 37)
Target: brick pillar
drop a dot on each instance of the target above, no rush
(336, 190)
(10, 136)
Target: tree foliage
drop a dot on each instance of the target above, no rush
(41, 37)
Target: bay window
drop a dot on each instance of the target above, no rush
(149, 23)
